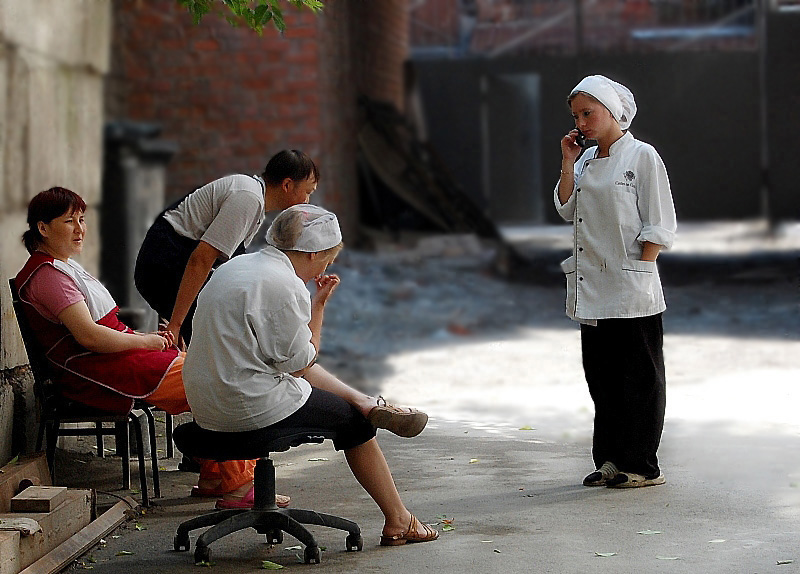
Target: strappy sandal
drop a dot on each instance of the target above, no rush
(410, 535)
(405, 422)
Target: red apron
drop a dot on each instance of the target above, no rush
(109, 381)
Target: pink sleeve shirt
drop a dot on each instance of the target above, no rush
(50, 292)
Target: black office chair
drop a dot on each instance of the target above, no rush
(57, 410)
(265, 517)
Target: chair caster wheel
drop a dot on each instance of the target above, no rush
(354, 543)
(312, 554)
(275, 536)
(202, 554)
(181, 542)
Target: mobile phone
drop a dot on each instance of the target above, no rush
(580, 139)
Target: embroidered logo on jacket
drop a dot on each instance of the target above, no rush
(629, 177)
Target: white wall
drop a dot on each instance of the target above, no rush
(54, 55)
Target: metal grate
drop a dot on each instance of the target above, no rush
(493, 28)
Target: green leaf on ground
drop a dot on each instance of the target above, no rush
(204, 564)
(605, 554)
(648, 532)
(473, 460)
(124, 553)
(139, 527)
(268, 565)
(526, 427)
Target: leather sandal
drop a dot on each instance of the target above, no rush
(410, 535)
(247, 501)
(405, 422)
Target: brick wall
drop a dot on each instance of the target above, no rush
(231, 98)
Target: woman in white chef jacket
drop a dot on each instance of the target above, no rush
(618, 198)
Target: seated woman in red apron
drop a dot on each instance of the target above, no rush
(98, 360)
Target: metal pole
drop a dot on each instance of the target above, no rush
(762, 11)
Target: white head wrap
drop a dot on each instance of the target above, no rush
(613, 95)
(320, 229)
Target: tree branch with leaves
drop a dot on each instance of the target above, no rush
(254, 13)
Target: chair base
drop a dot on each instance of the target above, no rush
(266, 518)
(271, 522)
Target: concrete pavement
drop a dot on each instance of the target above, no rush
(508, 443)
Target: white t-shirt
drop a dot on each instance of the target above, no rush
(224, 213)
(250, 331)
(618, 202)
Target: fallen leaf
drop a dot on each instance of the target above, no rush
(140, 527)
(717, 541)
(124, 553)
(320, 459)
(267, 565)
(473, 460)
(647, 532)
(448, 527)
(487, 541)
(668, 557)
(204, 564)
(605, 554)
(781, 562)
(115, 536)
(526, 428)
(496, 550)
(91, 559)
(293, 548)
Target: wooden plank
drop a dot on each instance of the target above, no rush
(31, 468)
(9, 552)
(55, 560)
(57, 526)
(39, 499)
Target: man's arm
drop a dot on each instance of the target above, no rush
(194, 276)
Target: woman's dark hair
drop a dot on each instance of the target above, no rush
(291, 163)
(45, 207)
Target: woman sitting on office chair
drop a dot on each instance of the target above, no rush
(98, 360)
(250, 368)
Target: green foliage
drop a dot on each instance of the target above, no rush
(254, 13)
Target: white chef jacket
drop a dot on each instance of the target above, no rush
(618, 202)
(249, 331)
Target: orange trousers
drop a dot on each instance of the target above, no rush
(170, 396)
